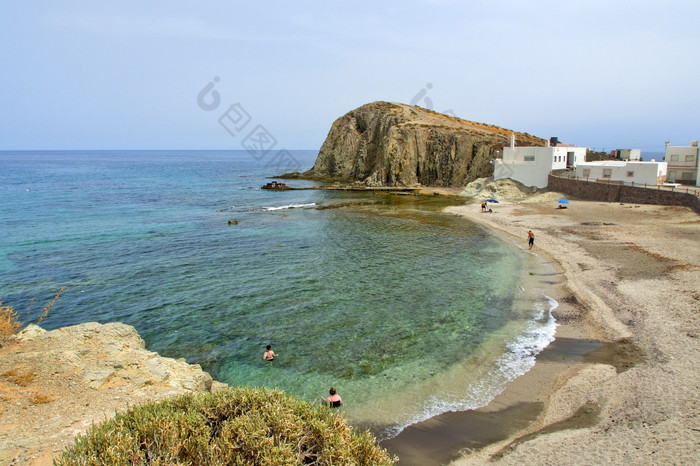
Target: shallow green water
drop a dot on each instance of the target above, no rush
(407, 311)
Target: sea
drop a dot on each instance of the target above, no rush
(408, 311)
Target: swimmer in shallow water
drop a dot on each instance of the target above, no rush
(334, 400)
(269, 355)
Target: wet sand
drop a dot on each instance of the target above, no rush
(441, 439)
(619, 383)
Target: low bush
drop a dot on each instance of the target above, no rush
(10, 324)
(239, 426)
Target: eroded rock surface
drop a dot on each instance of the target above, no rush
(390, 144)
(55, 384)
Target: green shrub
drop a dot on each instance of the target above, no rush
(239, 426)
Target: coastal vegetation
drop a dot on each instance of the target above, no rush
(232, 426)
(10, 323)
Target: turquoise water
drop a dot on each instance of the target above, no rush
(407, 311)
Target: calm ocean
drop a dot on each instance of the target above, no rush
(409, 312)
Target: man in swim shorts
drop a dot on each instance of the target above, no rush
(530, 239)
(269, 355)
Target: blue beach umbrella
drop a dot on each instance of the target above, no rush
(492, 200)
(563, 201)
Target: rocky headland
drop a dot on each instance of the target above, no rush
(55, 384)
(393, 144)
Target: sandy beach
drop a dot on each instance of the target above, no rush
(620, 384)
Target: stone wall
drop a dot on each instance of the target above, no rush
(607, 192)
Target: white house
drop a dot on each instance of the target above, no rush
(683, 163)
(617, 171)
(531, 165)
(627, 154)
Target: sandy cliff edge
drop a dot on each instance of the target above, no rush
(55, 384)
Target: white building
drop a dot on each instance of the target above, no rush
(531, 165)
(629, 173)
(683, 163)
(627, 154)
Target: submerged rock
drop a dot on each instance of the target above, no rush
(392, 144)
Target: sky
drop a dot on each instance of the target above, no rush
(199, 75)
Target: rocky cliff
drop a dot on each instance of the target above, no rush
(389, 144)
(55, 384)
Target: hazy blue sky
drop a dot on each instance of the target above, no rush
(127, 74)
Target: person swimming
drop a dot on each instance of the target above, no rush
(269, 355)
(334, 400)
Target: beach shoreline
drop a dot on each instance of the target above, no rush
(595, 383)
(441, 439)
(618, 384)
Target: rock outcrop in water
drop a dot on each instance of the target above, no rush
(390, 144)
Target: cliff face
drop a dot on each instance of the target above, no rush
(388, 144)
(55, 384)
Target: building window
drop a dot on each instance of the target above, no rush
(586, 172)
(607, 172)
(671, 176)
(529, 158)
(689, 158)
(674, 157)
(630, 173)
(687, 176)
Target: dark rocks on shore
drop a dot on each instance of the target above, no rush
(275, 185)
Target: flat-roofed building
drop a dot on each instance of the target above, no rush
(623, 172)
(531, 165)
(683, 163)
(627, 154)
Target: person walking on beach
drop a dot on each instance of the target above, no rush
(269, 355)
(483, 206)
(334, 400)
(530, 239)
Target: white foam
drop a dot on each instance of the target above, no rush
(291, 206)
(519, 359)
(537, 337)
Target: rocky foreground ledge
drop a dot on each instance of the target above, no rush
(55, 384)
